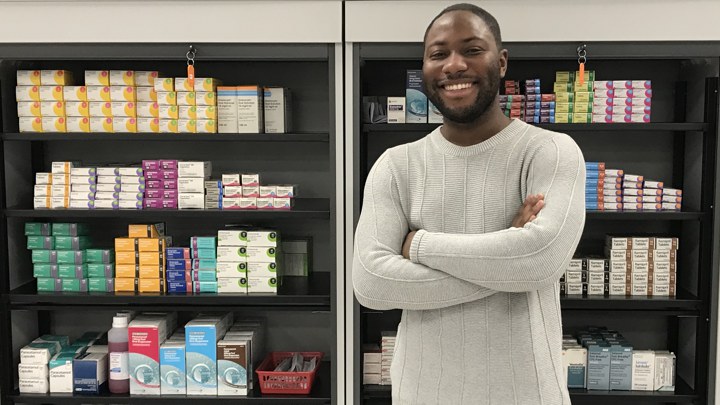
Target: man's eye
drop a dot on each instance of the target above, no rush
(437, 55)
(474, 51)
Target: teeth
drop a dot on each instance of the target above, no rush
(458, 86)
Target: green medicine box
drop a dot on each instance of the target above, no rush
(203, 242)
(40, 242)
(72, 242)
(101, 270)
(105, 256)
(101, 284)
(37, 229)
(74, 284)
(49, 284)
(203, 253)
(69, 229)
(72, 271)
(45, 270)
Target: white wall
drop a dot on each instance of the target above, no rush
(547, 20)
(176, 21)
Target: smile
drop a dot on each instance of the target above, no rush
(460, 86)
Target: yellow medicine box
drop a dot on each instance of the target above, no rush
(56, 77)
(125, 284)
(123, 93)
(206, 98)
(147, 109)
(153, 271)
(148, 125)
(123, 109)
(187, 126)
(143, 231)
(125, 124)
(206, 126)
(164, 84)
(52, 108)
(151, 258)
(29, 109)
(97, 78)
(206, 84)
(151, 285)
(30, 124)
(78, 124)
(168, 112)
(101, 109)
(100, 124)
(167, 98)
(27, 93)
(168, 126)
(122, 78)
(151, 244)
(98, 93)
(145, 78)
(206, 112)
(126, 244)
(183, 84)
(75, 93)
(77, 108)
(28, 78)
(54, 124)
(186, 98)
(51, 93)
(126, 270)
(126, 258)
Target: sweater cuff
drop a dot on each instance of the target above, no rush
(415, 246)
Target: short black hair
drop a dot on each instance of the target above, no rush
(487, 18)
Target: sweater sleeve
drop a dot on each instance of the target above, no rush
(382, 277)
(520, 259)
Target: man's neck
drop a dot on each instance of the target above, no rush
(480, 130)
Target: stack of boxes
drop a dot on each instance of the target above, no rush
(168, 112)
(263, 261)
(613, 197)
(197, 104)
(203, 250)
(52, 190)
(161, 184)
(622, 101)
(58, 255)
(101, 270)
(178, 271)
(648, 264)
(214, 194)
(594, 186)
(34, 360)
(240, 109)
(539, 108)
(574, 358)
(146, 334)
(609, 360)
(574, 100)
(387, 349)
(244, 191)
(511, 101)
(191, 178)
(132, 187)
(232, 261)
(147, 105)
(671, 199)
(372, 369)
(111, 100)
(140, 260)
(201, 337)
(108, 188)
(40, 95)
(586, 276)
(172, 364)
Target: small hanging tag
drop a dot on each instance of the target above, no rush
(190, 55)
(582, 58)
(191, 75)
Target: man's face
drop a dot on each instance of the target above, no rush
(462, 66)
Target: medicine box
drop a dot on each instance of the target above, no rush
(172, 368)
(278, 109)
(145, 335)
(90, 373)
(416, 108)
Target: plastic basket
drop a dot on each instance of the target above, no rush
(283, 382)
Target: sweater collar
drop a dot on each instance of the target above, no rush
(448, 148)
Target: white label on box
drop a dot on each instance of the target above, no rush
(262, 285)
(251, 191)
(191, 201)
(640, 289)
(596, 289)
(194, 169)
(396, 110)
(233, 191)
(232, 285)
(248, 180)
(265, 203)
(191, 185)
(231, 180)
(617, 289)
(237, 269)
(250, 115)
(643, 370)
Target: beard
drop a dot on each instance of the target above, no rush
(488, 88)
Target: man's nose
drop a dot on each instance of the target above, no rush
(454, 63)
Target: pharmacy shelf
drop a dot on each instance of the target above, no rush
(644, 215)
(683, 304)
(164, 137)
(305, 208)
(652, 126)
(306, 293)
(320, 395)
(683, 393)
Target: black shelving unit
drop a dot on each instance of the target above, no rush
(679, 146)
(305, 157)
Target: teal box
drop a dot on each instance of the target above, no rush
(40, 242)
(70, 256)
(75, 284)
(62, 339)
(203, 242)
(204, 264)
(204, 275)
(69, 229)
(72, 242)
(89, 338)
(49, 284)
(598, 368)
(45, 270)
(100, 270)
(72, 271)
(205, 286)
(172, 368)
(201, 338)
(105, 256)
(101, 284)
(621, 366)
(37, 229)
(203, 253)
(44, 256)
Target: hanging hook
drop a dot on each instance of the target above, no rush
(190, 55)
(582, 53)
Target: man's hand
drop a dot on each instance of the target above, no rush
(407, 243)
(529, 210)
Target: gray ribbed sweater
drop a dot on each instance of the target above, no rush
(481, 312)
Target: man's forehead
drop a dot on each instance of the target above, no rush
(448, 26)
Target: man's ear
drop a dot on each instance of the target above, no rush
(503, 61)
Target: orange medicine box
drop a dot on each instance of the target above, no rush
(126, 257)
(150, 258)
(126, 244)
(154, 271)
(125, 284)
(144, 230)
(151, 285)
(151, 244)
(126, 270)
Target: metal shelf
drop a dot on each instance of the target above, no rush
(683, 393)
(320, 395)
(649, 127)
(644, 215)
(684, 303)
(165, 137)
(311, 293)
(305, 208)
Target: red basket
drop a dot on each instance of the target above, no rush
(283, 382)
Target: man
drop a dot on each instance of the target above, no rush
(468, 231)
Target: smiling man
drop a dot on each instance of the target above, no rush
(468, 231)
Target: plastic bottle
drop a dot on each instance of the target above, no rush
(118, 376)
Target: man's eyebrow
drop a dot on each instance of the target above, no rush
(441, 42)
